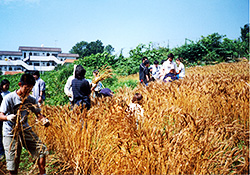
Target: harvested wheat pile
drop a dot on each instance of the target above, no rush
(199, 125)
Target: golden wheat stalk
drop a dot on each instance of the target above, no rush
(105, 72)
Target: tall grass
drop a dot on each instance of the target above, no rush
(198, 125)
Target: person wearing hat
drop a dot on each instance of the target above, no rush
(38, 90)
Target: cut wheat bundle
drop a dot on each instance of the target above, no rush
(105, 72)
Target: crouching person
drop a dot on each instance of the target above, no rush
(15, 108)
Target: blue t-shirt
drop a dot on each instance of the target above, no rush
(10, 105)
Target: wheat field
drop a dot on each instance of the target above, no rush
(198, 125)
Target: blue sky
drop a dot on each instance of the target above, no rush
(122, 23)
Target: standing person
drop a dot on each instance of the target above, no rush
(5, 85)
(38, 90)
(142, 67)
(15, 108)
(98, 86)
(144, 74)
(81, 88)
(1, 135)
(181, 68)
(168, 65)
(68, 87)
(156, 70)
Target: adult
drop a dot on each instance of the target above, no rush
(11, 104)
(144, 74)
(4, 89)
(68, 86)
(168, 65)
(155, 69)
(5, 85)
(98, 86)
(142, 67)
(81, 88)
(181, 68)
(38, 90)
(1, 135)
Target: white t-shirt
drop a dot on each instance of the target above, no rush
(137, 109)
(156, 71)
(167, 66)
(182, 69)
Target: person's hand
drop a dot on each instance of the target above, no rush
(45, 122)
(40, 100)
(69, 94)
(11, 117)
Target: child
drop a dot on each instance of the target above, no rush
(5, 84)
(135, 107)
(15, 108)
(171, 76)
(81, 88)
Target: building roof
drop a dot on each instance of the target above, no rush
(69, 61)
(12, 72)
(11, 53)
(48, 49)
(68, 55)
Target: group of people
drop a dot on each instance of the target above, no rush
(168, 71)
(79, 90)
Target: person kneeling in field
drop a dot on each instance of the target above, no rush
(14, 111)
(171, 76)
(135, 107)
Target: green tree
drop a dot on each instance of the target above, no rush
(80, 48)
(109, 49)
(84, 48)
(244, 44)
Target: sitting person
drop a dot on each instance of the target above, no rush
(171, 76)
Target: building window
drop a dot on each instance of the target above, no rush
(10, 58)
(24, 55)
(48, 54)
(54, 55)
(36, 54)
(36, 64)
(10, 68)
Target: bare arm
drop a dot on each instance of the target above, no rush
(3, 117)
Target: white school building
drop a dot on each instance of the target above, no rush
(33, 59)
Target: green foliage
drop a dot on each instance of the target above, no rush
(84, 48)
(130, 65)
(98, 60)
